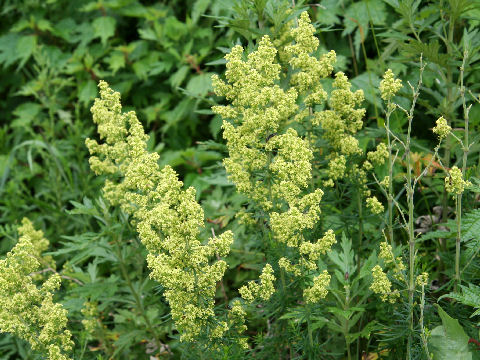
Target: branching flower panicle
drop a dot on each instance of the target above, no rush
(268, 160)
(26, 310)
(168, 218)
(442, 129)
(454, 182)
(389, 86)
(264, 290)
(319, 289)
(381, 285)
(374, 205)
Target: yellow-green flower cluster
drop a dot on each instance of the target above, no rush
(26, 310)
(381, 285)
(378, 156)
(321, 247)
(389, 86)
(236, 318)
(259, 110)
(386, 253)
(291, 168)
(302, 214)
(385, 181)
(337, 167)
(374, 205)
(286, 264)
(264, 290)
(319, 289)
(168, 218)
(422, 279)
(454, 182)
(308, 69)
(90, 314)
(268, 160)
(343, 119)
(442, 129)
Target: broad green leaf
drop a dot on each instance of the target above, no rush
(104, 27)
(177, 78)
(200, 85)
(449, 341)
(8, 42)
(87, 91)
(328, 13)
(116, 61)
(175, 29)
(26, 113)
(25, 47)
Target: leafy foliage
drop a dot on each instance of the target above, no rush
(161, 56)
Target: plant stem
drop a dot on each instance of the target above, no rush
(360, 224)
(458, 212)
(346, 328)
(138, 301)
(410, 191)
(423, 335)
(390, 176)
(458, 202)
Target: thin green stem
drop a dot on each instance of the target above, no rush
(390, 176)
(423, 335)
(360, 223)
(458, 203)
(136, 296)
(410, 192)
(458, 212)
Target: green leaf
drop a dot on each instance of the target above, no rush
(470, 296)
(328, 13)
(449, 341)
(200, 85)
(199, 9)
(104, 27)
(358, 16)
(25, 47)
(175, 29)
(177, 78)
(26, 113)
(344, 260)
(87, 91)
(116, 61)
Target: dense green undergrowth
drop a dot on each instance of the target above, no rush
(261, 179)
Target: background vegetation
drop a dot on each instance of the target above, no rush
(160, 56)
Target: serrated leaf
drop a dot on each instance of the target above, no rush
(104, 27)
(470, 296)
(177, 78)
(25, 47)
(200, 85)
(471, 225)
(116, 61)
(87, 91)
(26, 113)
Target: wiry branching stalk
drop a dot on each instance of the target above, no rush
(410, 188)
(458, 200)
